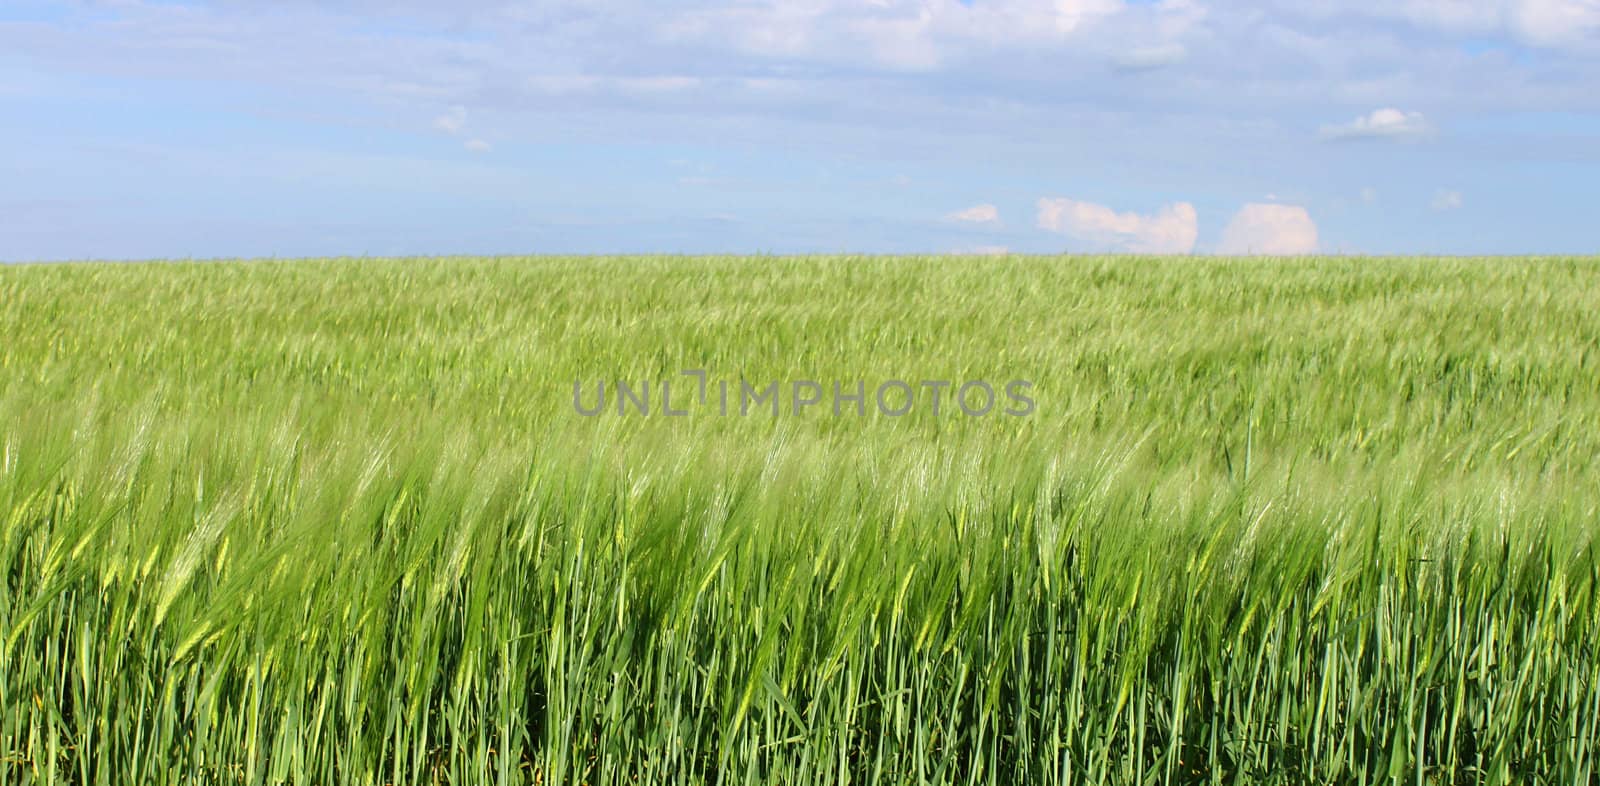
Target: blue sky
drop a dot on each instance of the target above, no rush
(139, 129)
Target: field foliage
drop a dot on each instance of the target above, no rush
(337, 522)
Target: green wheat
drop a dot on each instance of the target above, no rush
(336, 522)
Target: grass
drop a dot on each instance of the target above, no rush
(336, 521)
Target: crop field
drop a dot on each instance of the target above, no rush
(358, 521)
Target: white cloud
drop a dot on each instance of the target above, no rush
(1148, 58)
(1557, 22)
(1273, 230)
(1369, 195)
(1554, 24)
(1446, 200)
(977, 214)
(981, 251)
(1388, 123)
(910, 35)
(1171, 230)
(1544, 23)
(453, 121)
(582, 84)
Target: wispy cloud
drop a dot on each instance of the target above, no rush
(906, 35)
(452, 121)
(1444, 200)
(1558, 23)
(1149, 58)
(1550, 24)
(981, 251)
(1389, 123)
(977, 214)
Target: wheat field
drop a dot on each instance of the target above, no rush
(339, 521)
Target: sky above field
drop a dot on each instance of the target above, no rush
(134, 129)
